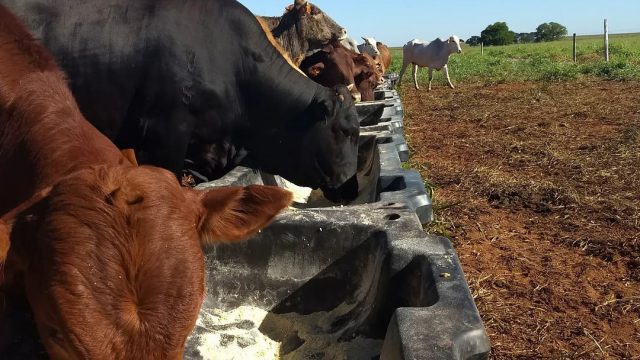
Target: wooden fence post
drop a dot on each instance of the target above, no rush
(481, 48)
(606, 41)
(575, 53)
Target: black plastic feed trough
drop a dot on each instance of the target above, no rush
(380, 116)
(359, 283)
(391, 79)
(387, 137)
(356, 283)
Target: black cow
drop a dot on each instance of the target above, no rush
(199, 80)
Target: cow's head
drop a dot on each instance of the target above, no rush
(332, 66)
(366, 75)
(316, 148)
(111, 257)
(454, 44)
(314, 24)
(369, 46)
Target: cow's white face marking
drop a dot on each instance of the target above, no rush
(454, 40)
(369, 46)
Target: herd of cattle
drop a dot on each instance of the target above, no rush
(95, 244)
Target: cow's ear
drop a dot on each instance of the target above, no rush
(360, 59)
(130, 155)
(236, 213)
(312, 9)
(5, 234)
(315, 70)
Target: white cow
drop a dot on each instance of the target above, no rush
(369, 47)
(350, 44)
(433, 55)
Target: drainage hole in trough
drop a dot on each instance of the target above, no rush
(392, 217)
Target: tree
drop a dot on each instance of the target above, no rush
(550, 31)
(523, 38)
(474, 41)
(497, 34)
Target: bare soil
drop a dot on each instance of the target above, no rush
(538, 187)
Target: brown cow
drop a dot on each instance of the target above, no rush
(108, 254)
(302, 28)
(331, 66)
(336, 65)
(384, 58)
(367, 77)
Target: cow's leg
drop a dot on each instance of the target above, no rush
(430, 77)
(415, 76)
(404, 68)
(446, 73)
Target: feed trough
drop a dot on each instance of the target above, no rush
(384, 94)
(356, 283)
(386, 137)
(380, 116)
(359, 283)
(390, 80)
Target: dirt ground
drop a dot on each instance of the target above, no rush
(538, 186)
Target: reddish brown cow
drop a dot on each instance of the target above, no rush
(367, 77)
(108, 254)
(384, 58)
(331, 66)
(335, 65)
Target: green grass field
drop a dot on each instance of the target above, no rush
(551, 61)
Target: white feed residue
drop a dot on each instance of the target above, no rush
(234, 335)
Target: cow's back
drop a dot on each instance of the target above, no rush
(81, 36)
(134, 64)
(429, 54)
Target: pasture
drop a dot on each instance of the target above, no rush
(534, 162)
(550, 61)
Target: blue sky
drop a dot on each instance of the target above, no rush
(395, 22)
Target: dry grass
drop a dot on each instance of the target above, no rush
(538, 185)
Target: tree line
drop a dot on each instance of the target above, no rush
(499, 34)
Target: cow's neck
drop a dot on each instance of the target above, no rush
(45, 137)
(278, 92)
(290, 35)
